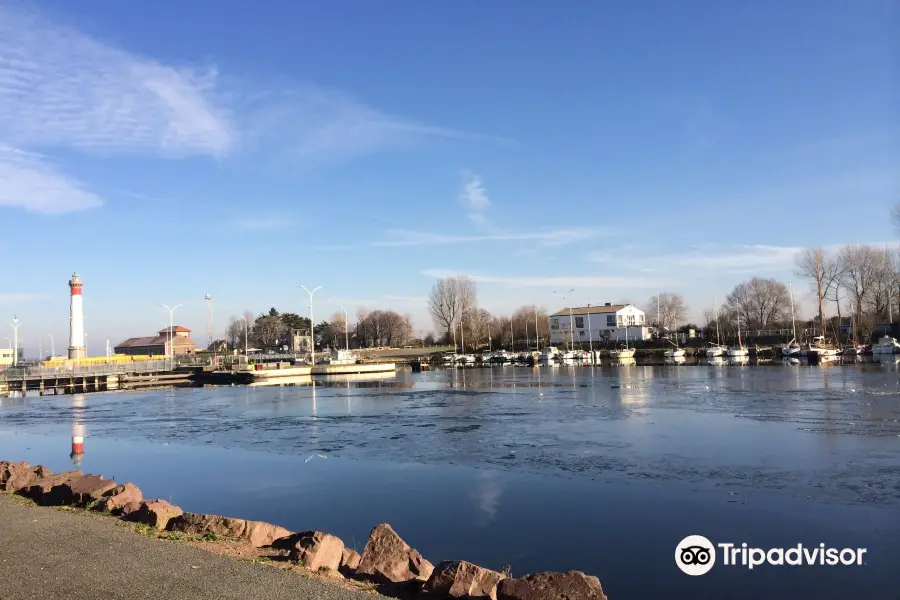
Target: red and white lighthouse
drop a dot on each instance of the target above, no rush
(78, 429)
(76, 318)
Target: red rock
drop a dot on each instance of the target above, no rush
(15, 476)
(37, 488)
(130, 508)
(155, 513)
(9, 470)
(315, 550)
(78, 490)
(115, 499)
(261, 534)
(201, 524)
(461, 579)
(573, 585)
(387, 558)
(349, 559)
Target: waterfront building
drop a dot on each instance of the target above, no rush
(607, 323)
(158, 345)
(7, 356)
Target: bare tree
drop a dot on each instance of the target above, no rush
(760, 302)
(267, 330)
(451, 298)
(861, 269)
(527, 318)
(824, 273)
(237, 330)
(478, 327)
(671, 309)
(383, 328)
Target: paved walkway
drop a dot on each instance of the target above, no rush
(46, 553)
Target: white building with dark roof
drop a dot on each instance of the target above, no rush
(598, 324)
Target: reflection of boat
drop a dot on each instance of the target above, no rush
(886, 345)
(716, 361)
(742, 359)
(624, 362)
(886, 359)
(678, 360)
(338, 378)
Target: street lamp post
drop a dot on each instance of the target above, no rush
(171, 333)
(52, 346)
(312, 338)
(15, 325)
(168, 341)
(246, 332)
(346, 329)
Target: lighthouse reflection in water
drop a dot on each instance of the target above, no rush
(78, 429)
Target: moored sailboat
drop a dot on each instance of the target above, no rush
(738, 351)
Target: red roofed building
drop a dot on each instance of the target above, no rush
(158, 345)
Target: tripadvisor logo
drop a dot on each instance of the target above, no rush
(696, 555)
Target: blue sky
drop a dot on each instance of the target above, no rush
(166, 151)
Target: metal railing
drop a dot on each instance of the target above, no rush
(149, 366)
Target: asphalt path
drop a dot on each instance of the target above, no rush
(50, 554)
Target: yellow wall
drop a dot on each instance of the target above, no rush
(116, 359)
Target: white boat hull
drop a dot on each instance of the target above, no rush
(714, 351)
(623, 353)
(676, 353)
(738, 352)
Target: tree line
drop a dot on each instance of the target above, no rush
(275, 330)
(453, 304)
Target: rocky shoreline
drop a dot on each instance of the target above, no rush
(386, 561)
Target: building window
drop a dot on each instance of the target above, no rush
(579, 322)
(610, 320)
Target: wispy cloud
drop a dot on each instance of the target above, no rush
(712, 259)
(260, 223)
(475, 199)
(60, 88)
(30, 181)
(705, 259)
(552, 237)
(309, 126)
(558, 281)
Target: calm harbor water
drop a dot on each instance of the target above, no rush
(603, 470)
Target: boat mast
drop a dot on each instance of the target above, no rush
(716, 308)
(793, 321)
(740, 344)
